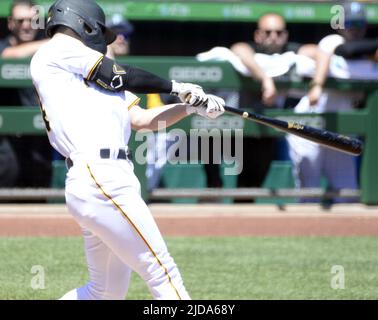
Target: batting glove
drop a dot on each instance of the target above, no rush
(189, 93)
(213, 109)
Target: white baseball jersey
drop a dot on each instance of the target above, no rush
(80, 117)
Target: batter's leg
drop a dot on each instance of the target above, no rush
(120, 218)
(109, 276)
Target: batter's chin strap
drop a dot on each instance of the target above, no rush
(113, 77)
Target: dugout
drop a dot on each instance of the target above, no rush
(171, 29)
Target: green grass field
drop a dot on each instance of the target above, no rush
(246, 268)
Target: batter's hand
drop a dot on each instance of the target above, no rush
(184, 90)
(212, 110)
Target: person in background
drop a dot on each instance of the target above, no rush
(311, 161)
(8, 164)
(27, 158)
(271, 37)
(350, 42)
(23, 40)
(123, 29)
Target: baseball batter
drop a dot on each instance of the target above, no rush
(89, 112)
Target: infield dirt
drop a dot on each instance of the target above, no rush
(208, 220)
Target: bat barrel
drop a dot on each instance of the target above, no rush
(328, 139)
(331, 140)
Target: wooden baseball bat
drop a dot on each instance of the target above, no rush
(328, 139)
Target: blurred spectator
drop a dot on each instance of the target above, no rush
(351, 43)
(270, 38)
(123, 29)
(311, 161)
(32, 154)
(8, 164)
(23, 40)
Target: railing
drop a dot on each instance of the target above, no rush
(203, 193)
(252, 193)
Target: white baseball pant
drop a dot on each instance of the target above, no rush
(119, 231)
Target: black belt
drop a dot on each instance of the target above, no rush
(105, 154)
(122, 154)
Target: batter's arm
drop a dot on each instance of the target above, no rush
(157, 118)
(112, 77)
(165, 116)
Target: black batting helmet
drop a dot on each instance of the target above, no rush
(86, 18)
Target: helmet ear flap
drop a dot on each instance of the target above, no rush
(87, 28)
(90, 30)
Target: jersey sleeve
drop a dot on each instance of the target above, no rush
(73, 56)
